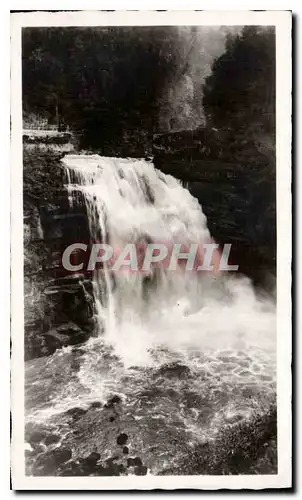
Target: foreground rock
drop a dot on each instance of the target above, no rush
(109, 440)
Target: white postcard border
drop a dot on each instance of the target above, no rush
(282, 21)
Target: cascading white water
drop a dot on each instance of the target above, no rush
(128, 200)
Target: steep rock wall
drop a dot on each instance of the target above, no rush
(58, 309)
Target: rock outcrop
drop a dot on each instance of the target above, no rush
(234, 182)
(59, 309)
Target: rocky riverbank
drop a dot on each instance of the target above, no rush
(243, 448)
(115, 438)
(203, 408)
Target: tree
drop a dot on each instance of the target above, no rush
(240, 92)
(103, 81)
(239, 101)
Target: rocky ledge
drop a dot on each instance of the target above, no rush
(105, 440)
(59, 309)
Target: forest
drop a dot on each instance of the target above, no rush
(108, 82)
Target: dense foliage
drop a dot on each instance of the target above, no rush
(240, 92)
(104, 82)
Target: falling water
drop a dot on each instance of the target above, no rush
(129, 201)
(186, 353)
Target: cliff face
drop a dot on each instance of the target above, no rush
(234, 182)
(58, 309)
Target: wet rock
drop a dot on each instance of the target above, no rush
(125, 450)
(245, 373)
(96, 404)
(137, 461)
(76, 413)
(140, 471)
(84, 469)
(71, 469)
(69, 279)
(110, 460)
(49, 462)
(103, 471)
(111, 419)
(38, 346)
(61, 455)
(137, 464)
(88, 466)
(37, 449)
(36, 437)
(79, 338)
(93, 458)
(112, 470)
(54, 302)
(233, 419)
(122, 439)
(122, 469)
(69, 329)
(250, 391)
(193, 399)
(79, 306)
(174, 370)
(55, 340)
(266, 378)
(112, 401)
(51, 439)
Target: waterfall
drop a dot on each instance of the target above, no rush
(129, 201)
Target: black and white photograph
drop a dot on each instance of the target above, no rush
(151, 264)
